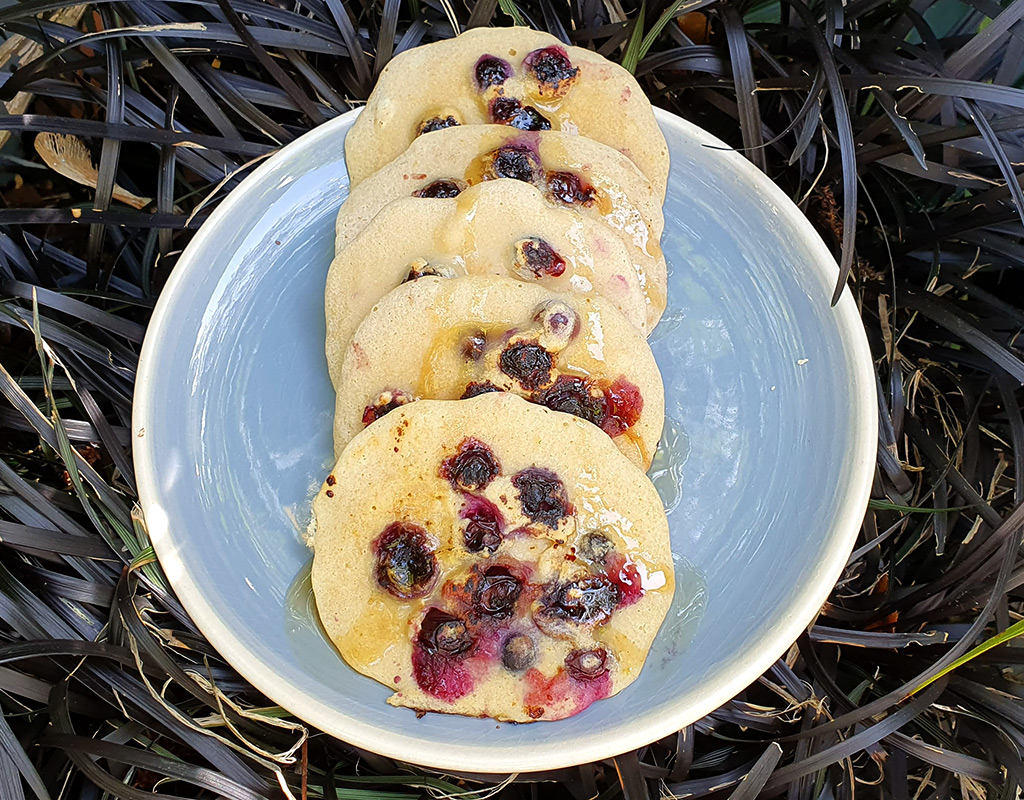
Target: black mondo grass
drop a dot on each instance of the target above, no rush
(897, 127)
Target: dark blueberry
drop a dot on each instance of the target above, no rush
(542, 495)
(552, 69)
(515, 161)
(503, 109)
(587, 665)
(509, 111)
(536, 258)
(475, 388)
(484, 525)
(386, 401)
(436, 124)
(472, 467)
(405, 564)
(444, 634)
(441, 189)
(586, 601)
(491, 71)
(526, 362)
(573, 395)
(625, 403)
(567, 188)
(530, 119)
(473, 346)
(496, 593)
(594, 547)
(518, 652)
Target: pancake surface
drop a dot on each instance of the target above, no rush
(572, 171)
(512, 76)
(500, 227)
(451, 338)
(491, 557)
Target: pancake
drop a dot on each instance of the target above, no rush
(499, 227)
(589, 177)
(451, 338)
(511, 76)
(490, 557)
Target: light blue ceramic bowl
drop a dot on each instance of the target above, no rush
(765, 469)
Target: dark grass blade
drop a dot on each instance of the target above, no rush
(964, 62)
(110, 152)
(318, 83)
(552, 23)
(225, 89)
(249, 39)
(360, 64)
(755, 780)
(198, 776)
(482, 13)
(855, 743)
(844, 132)
(33, 122)
(630, 777)
(743, 77)
(998, 154)
(941, 312)
(78, 309)
(15, 756)
(10, 780)
(41, 540)
(957, 763)
(888, 103)
(386, 37)
(78, 216)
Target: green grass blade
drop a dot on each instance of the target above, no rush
(511, 9)
(632, 56)
(674, 10)
(1015, 630)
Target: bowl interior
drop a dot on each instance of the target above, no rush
(764, 466)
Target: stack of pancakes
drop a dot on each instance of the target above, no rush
(488, 543)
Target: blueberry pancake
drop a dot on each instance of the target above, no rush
(491, 557)
(451, 338)
(509, 76)
(500, 227)
(570, 171)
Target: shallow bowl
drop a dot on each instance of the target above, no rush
(764, 467)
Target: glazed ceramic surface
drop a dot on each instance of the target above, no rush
(765, 463)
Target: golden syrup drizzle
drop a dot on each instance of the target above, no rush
(446, 371)
(363, 644)
(602, 202)
(630, 657)
(630, 435)
(478, 168)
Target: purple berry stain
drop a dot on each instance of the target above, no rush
(484, 524)
(441, 646)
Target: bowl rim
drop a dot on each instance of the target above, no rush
(481, 759)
